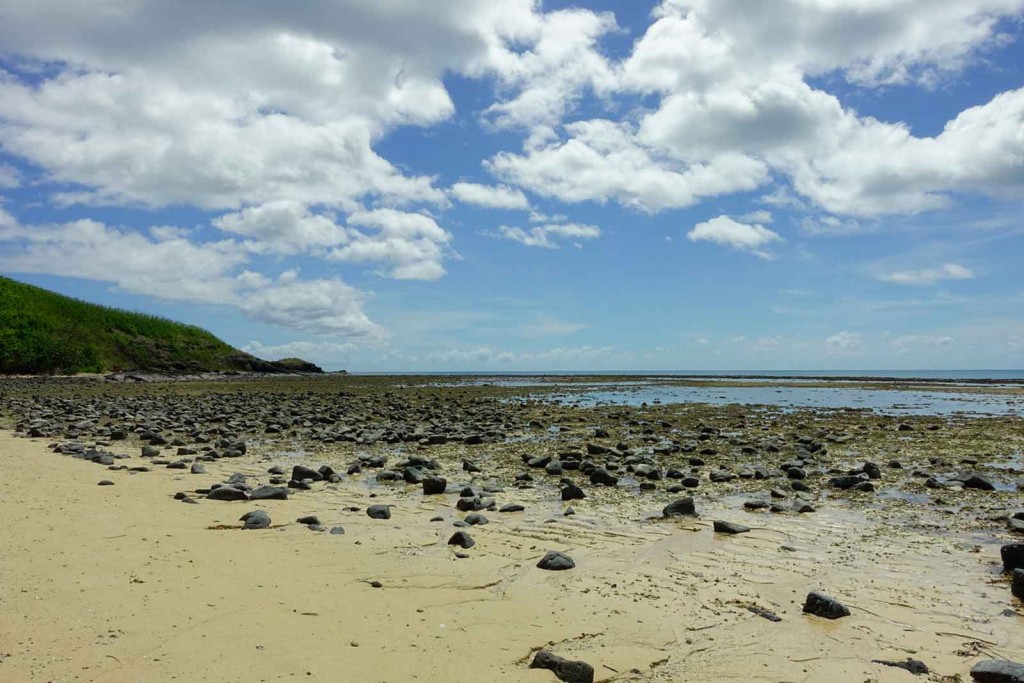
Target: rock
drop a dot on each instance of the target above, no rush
(105, 482)
(337, 531)
(198, 468)
(845, 482)
(602, 477)
(511, 507)
(729, 527)
(572, 492)
(1013, 556)
(150, 451)
(914, 666)
(555, 561)
(433, 486)
(301, 472)
(227, 493)
(684, 507)
(690, 482)
(1017, 586)
(378, 512)
(257, 519)
(469, 466)
(475, 518)
(565, 670)
(309, 520)
(822, 605)
(269, 493)
(998, 671)
(462, 539)
(974, 481)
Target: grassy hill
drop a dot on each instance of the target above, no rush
(44, 332)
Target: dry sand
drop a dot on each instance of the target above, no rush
(122, 583)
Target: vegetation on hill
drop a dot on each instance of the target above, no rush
(45, 332)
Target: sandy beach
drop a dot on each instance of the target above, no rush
(125, 583)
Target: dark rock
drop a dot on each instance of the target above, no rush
(556, 561)
(602, 477)
(684, 507)
(462, 539)
(105, 482)
(914, 666)
(227, 493)
(433, 486)
(974, 481)
(257, 519)
(378, 512)
(1017, 585)
(198, 468)
(846, 481)
(511, 507)
(468, 466)
(572, 492)
(822, 605)
(301, 472)
(269, 493)
(309, 519)
(729, 527)
(565, 670)
(998, 671)
(337, 531)
(475, 518)
(1013, 556)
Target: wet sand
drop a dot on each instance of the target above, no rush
(123, 583)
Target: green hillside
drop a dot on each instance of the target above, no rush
(44, 332)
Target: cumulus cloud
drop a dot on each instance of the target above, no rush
(727, 232)
(844, 341)
(545, 236)
(492, 197)
(411, 243)
(175, 269)
(321, 353)
(928, 276)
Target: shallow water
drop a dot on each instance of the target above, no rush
(883, 401)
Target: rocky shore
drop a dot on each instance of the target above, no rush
(416, 529)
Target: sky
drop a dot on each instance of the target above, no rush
(502, 185)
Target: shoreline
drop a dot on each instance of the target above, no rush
(125, 583)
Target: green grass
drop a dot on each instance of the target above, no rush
(44, 332)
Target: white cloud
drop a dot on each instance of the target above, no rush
(542, 235)
(494, 197)
(413, 244)
(317, 352)
(928, 276)
(179, 270)
(730, 233)
(283, 227)
(559, 358)
(843, 342)
(603, 160)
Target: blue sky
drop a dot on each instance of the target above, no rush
(514, 185)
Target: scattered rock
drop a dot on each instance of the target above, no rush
(998, 671)
(378, 512)
(565, 670)
(555, 561)
(257, 519)
(462, 539)
(822, 605)
(684, 507)
(729, 527)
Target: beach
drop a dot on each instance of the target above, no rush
(123, 582)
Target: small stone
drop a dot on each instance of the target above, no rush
(257, 519)
(822, 605)
(433, 486)
(511, 507)
(105, 482)
(337, 531)
(309, 519)
(684, 507)
(475, 519)
(556, 561)
(572, 492)
(729, 527)
(462, 540)
(565, 670)
(998, 671)
(378, 512)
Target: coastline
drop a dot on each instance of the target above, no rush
(124, 583)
